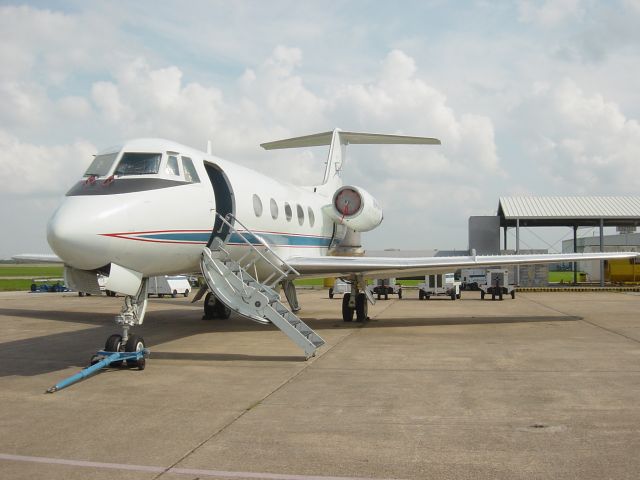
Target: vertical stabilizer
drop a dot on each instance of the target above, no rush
(332, 174)
(338, 141)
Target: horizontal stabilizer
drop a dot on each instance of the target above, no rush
(346, 138)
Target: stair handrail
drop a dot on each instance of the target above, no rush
(289, 268)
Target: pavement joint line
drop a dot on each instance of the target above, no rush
(635, 340)
(179, 471)
(307, 365)
(463, 370)
(590, 322)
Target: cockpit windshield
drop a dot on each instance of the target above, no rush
(139, 164)
(101, 165)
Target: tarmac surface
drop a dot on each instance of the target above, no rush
(543, 386)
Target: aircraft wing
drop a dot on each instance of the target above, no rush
(36, 258)
(377, 267)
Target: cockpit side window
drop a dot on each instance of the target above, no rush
(190, 174)
(139, 164)
(101, 165)
(172, 166)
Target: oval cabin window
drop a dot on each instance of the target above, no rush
(287, 211)
(274, 209)
(300, 212)
(312, 217)
(257, 205)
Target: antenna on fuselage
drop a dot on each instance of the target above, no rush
(208, 147)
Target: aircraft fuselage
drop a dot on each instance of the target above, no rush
(156, 218)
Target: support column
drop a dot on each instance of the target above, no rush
(517, 269)
(505, 237)
(602, 250)
(575, 250)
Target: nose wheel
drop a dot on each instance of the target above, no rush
(114, 344)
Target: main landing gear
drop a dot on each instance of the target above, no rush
(355, 302)
(214, 308)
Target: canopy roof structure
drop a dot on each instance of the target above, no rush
(569, 211)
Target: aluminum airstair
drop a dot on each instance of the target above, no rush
(232, 284)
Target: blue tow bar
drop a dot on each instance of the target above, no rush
(107, 358)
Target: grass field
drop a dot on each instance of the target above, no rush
(15, 285)
(29, 270)
(563, 277)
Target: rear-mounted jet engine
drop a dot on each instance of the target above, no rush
(355, 208)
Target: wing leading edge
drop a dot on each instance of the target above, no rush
(373, 267)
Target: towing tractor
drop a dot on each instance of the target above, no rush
(496, 284)
(443, 284)
(383, 287)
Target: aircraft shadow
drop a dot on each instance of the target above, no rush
(74, 348)
(473, 320)
(224, 357)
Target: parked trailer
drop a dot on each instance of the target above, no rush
(383, 287)
(340, 287)
(497, 284)
(472, 278)
(439, 284)
(173, 285)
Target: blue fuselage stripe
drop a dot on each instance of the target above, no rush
(235, 238)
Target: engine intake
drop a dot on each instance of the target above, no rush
(355, 208)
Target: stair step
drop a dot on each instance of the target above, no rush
(230, 282)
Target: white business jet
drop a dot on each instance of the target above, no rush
(154, 207)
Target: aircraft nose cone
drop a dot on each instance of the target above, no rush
(72, 238)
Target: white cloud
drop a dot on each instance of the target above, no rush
(403, 102)
(549, 12)
(584, 143)
(36, 170)
(98, 74)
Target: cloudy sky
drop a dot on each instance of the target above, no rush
(528, 97)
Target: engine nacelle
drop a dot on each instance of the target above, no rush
(355, 208)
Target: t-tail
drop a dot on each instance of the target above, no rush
(338, 141)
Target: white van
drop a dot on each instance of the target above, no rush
(173, 285)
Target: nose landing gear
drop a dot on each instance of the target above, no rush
(119, 349)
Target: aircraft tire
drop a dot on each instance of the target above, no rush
(362, 307)
(210, 303)
(330, 292)
(222, 311)
(347, 312)
(134, 344)
(399, 294)
(513, 294)
(113, 344)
